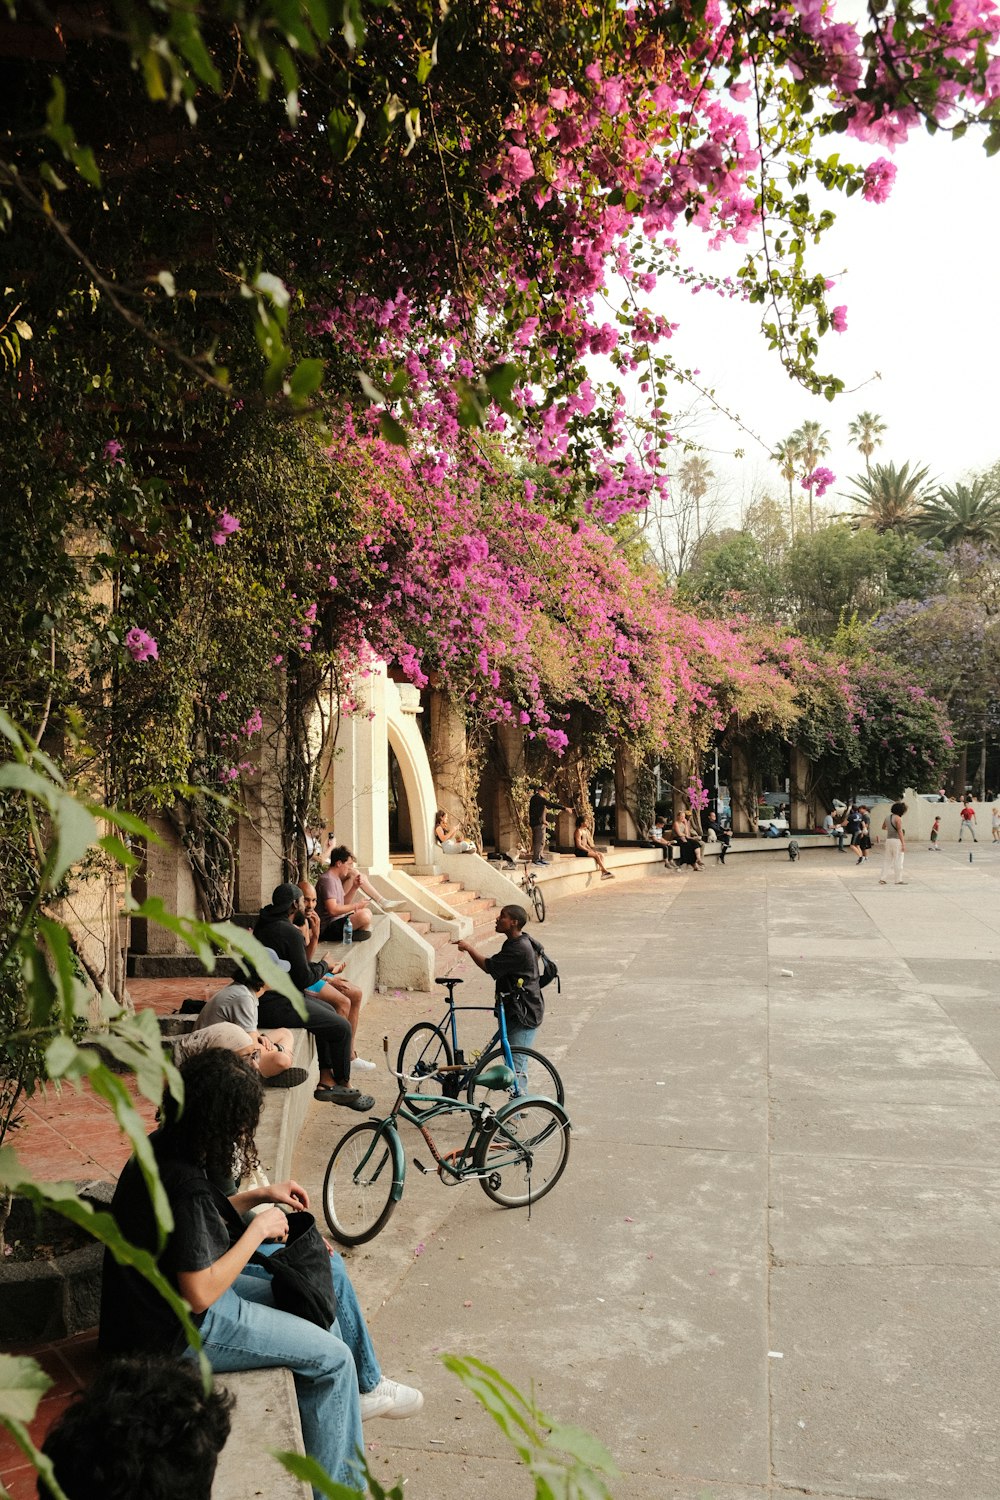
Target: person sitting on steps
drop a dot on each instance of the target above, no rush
(449, 840)
(339, 896)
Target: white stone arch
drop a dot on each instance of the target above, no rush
(402, 705)
(356, 801)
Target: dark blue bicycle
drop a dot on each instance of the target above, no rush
(431, 1053)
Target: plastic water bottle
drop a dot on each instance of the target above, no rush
(348, 930)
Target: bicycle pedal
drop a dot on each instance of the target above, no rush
(420, 1166)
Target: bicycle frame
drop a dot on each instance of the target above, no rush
(459, 1168)
(500, 1035)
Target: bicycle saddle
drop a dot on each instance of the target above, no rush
(449, 981)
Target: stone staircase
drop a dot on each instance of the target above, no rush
(464, 902)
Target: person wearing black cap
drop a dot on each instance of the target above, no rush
(279, 927)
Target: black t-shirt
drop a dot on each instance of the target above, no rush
(516, 960)
(274, 930)
(134, 1317)
(537, 808)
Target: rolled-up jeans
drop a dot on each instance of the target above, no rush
(520, 1036)
(243, 1330)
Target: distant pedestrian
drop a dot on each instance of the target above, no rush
(863, 840)
(895, 845)
(538, 809)
(996, 823)
(935, 831)
(968, 820)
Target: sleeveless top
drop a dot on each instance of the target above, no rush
(891, 829)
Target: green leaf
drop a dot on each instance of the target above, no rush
(126, 820)
(75, 830)
(306, 378)
(392, 431)
(83, 160)
(38, 984)
(119, 852)
(186, 34)
(63, 965)
(22, 778)
(22, 1437)
(22, 1386)
(500, 382)
(353, 23)
(313, 1473)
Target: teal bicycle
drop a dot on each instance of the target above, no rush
(516, 1153)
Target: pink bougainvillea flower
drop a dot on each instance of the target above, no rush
(113, 451)
(141, 646)
(838, 319)
(254, 724)
(879, 178)
(224, 528)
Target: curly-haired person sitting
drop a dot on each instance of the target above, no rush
(206, 1258)
(145, 1427)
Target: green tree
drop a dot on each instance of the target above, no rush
(961, 513)
(694, 475)
(867, 430)
(888, 498)
(787, 455)
(763, 520)
(813, 444)
(839, 571)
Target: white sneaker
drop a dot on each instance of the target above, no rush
(363, 1064)
(390, 1399)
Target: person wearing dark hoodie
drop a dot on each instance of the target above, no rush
(280, 927)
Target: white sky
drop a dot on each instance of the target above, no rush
(919, 275)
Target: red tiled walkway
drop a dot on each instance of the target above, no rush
(70, 1364)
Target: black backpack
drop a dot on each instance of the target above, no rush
(548, 969)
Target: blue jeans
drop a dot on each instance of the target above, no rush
(520, 1036)
(243, 1330)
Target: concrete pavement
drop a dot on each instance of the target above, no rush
(773, 1264)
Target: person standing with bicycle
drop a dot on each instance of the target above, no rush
(515, 972)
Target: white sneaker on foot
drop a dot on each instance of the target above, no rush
(390, 1399)
(363, 1064)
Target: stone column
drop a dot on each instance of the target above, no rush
(360, 802)
(258, 836)
(738, 791)
(510, 766)
(165, 873)
(801, 796)
(626, 827)
(448, 755)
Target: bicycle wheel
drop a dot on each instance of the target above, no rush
(424, 1049)
(526, 1153)
(543, 1080)
(538, 901)
(360, 1187)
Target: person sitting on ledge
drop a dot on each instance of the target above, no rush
(449, 839)
(236, 1003)
(280, 927)
(584, 848)
(339, 896)
(207, 1259)
(351, 995)
(248, 1046)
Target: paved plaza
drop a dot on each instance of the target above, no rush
(773, 1264)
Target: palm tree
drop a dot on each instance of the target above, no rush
(888, 498)
(695, 473)
(813, 444)
(867, 430)
(961, 513)
(786, 455)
